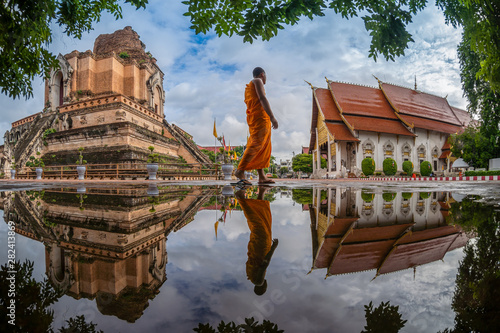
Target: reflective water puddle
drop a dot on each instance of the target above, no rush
(178, 258)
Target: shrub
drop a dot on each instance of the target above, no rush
(425, 195)
(367, 197)
(425, 168)
(408, 167)
(368, 166)
(390, 167)
(407, 195)
(483, 173)
(388, 196)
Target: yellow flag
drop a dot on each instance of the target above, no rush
(216, 225)
(235, 157)
(215, 130)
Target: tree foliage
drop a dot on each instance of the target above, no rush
(479, 56)
(250, 325)
(383, 318)
(481, 32)
(303, 162)
(25, 33)
(385, 20)
(474, 147)
(477, 289)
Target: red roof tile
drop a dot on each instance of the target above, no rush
(415, 254)
(340, 132)
(420, 235)
(462, 115)
(429, 124)
(364, 101)
(340, 225)
(327, 104)
(418, 104)
(376, 233)
(392, 126)
(445, 154)
(360, 257)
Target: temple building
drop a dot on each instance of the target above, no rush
(351, 122)
(355, 231)
(110, 101)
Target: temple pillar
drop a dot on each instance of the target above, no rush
(338, 158)
(329, 165)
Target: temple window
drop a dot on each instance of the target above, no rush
(435, 152)
(368, 149)
(388, 149)
(434, 158)
(406, 151)
(421, 152)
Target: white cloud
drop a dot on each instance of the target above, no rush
(205, 76)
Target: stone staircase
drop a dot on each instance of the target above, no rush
(31, 141)
(188, 144)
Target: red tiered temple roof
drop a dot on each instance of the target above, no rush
(388, 109)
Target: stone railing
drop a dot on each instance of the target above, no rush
(106, 100)
(25, 120)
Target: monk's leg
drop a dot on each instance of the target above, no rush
(262, 175)
(240, 174)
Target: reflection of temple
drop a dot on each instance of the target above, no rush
(354, 231)
(107, 244)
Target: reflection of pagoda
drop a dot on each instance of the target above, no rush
(107, 244)
(354, 232)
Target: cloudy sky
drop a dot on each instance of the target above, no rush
(205, 75)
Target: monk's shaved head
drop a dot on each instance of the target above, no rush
(257, 71)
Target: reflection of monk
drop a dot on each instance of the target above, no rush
(261, 246)
(260, 119)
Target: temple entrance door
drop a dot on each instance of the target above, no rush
(349, 157)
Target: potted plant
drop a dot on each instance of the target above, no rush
(37, 163)
(80, 168)
(12, 168)
(152, 163)
(227, 166)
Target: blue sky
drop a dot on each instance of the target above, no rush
(205, 75)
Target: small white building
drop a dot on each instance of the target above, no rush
(351, 122)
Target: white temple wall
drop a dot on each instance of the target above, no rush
(426, 146)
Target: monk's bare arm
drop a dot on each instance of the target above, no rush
(259, 88)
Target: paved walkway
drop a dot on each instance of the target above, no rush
(6, 184)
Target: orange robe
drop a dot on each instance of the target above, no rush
(258, 151)
(258, 214)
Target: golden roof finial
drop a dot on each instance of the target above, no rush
(309, 84)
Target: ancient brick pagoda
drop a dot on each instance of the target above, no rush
(110, 101)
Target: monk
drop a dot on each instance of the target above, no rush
(261, 245)
(260, 119)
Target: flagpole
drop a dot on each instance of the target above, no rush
(215, 141)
